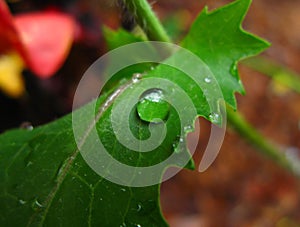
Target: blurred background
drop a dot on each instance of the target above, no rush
(242, 187)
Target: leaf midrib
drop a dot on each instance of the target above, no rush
(103, 107)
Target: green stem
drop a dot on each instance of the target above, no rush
(275, 71)
(147, 19)
(238, 122)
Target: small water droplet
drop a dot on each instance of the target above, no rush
(233, 69)
(138, 225)
(188, 128)
(29, 163)
(152, 68)
(136, 77)
(207, 80)
(177, 144)
(123, 189)
(36, 205)
(152, 106)
(26, 125)
(214, 118)
(139, 207)
(22, 202)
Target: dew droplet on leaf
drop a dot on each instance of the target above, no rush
(22, 202)
(136, 77)
(177, 144)
(152, 106)
(29, 163)
(36, 205)
(188, 128)
(139, 207)
(233, 69)
(214, 118)
(207, 80)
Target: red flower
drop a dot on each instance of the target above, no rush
(42, 39)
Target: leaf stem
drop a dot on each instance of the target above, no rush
(275, 71)
(238, 122)
(147, 19)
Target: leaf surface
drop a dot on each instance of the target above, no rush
(219, 40)
(45, 182)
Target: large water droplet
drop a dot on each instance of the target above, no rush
(152, 106)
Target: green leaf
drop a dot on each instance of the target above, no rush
(115, 39)
(46, 182)
(118, 38)
(218, 39)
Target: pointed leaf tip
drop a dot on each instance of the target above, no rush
(218, 38)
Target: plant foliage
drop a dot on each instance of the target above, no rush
(44, 181)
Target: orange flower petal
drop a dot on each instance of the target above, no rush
(47, 37)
